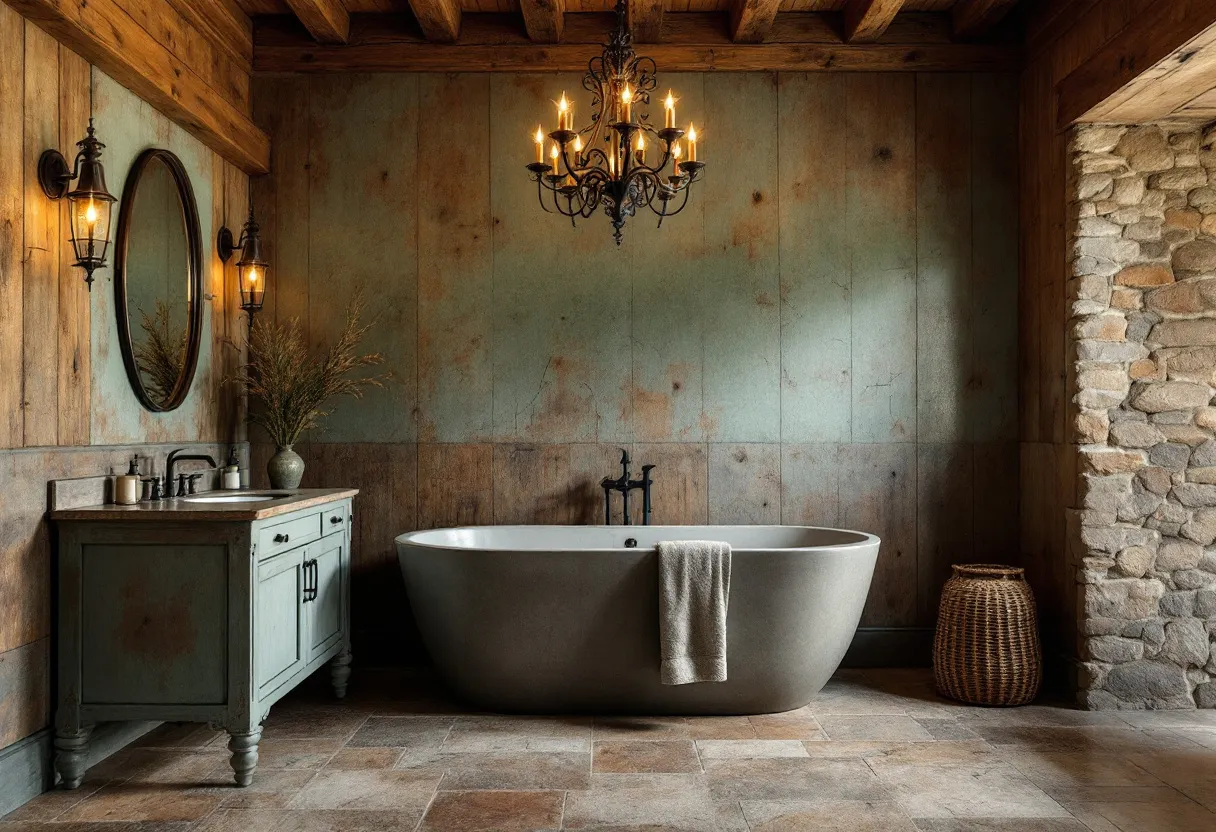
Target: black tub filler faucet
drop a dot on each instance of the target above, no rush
(624, 485)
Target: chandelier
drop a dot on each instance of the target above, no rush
(610, 169)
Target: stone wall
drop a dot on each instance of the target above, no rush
(1143, 294)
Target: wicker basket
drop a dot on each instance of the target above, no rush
(986, 650)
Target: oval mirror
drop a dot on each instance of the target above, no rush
(158, 268)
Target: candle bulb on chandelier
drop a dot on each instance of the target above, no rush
(675, 159)
(641, 150)
(692, 143)
(669, 106)
(564, 116)
(555, 156)
(540, 146)
(627, 101)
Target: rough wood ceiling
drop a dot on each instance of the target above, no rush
(258, 7)
(750, 21)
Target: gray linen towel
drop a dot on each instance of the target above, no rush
(694, 589)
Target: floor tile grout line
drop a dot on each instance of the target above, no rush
(430, 802)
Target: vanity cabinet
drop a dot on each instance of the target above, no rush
(191, 611)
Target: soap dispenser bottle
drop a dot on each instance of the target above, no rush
(126, 487)
(231, 479)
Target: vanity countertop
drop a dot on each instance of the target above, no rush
(185, 509)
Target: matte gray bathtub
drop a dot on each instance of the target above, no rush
(548, 619)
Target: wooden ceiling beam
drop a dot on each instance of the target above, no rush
(866, 20)
(1157, 63)
(751, 20)
(544, 19)
(438, 19)
(975, 18)
(646, 20)
(104, 34)
(326, 20)
(223, 23)
(804, 42)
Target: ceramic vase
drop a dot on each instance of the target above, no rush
(286, 468)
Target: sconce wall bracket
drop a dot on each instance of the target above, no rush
(225, 244)
(54, 175)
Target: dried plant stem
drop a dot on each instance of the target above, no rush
(161, 357)
(293, 386)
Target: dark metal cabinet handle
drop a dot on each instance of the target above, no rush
(335, 520)
(282, 538)
(311, 576)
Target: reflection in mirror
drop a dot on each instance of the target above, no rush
(159, 281)
(158, 293)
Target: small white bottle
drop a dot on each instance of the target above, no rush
(231, 478)
(126, 487)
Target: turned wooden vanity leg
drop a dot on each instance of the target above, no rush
(71, 749)
(244, 760)
(339, 672)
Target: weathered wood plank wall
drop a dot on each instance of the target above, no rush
(66, 408)
(827, 335)
(1060, 39)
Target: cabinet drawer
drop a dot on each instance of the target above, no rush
(283, 536)
(335, 520)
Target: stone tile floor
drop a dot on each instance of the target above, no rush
(876, 750)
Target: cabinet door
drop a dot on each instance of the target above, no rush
(279, 647)
(327, 611)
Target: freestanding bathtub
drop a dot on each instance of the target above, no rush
(547, 619)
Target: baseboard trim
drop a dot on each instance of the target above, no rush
(26, 766)
(890, 647)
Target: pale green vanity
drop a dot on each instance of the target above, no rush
(198, 610)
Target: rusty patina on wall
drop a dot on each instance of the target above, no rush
(826, 335)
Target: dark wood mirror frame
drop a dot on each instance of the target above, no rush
(194, 277)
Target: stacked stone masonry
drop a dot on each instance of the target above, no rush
(1143, 329)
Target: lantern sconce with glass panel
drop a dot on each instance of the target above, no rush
(252, 269)
(89, 202)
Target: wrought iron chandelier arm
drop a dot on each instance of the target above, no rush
(571, 170)
(565, 212)
(599, 154)
(540, 193)
(664, 213)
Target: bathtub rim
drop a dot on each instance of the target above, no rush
(410, 538)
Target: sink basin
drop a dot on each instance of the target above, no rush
(237, 498)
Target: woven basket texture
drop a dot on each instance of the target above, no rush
(986, 649)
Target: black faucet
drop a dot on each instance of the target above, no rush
(624, 485)
(174, 458)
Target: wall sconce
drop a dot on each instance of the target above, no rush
(251, 269)
(89, 202)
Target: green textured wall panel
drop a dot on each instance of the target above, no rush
(561, 294)
(741, 287)
(363, 236)
(668, 270)
(816, 281)
(944, 333)
(455, 260)
(881, 215)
